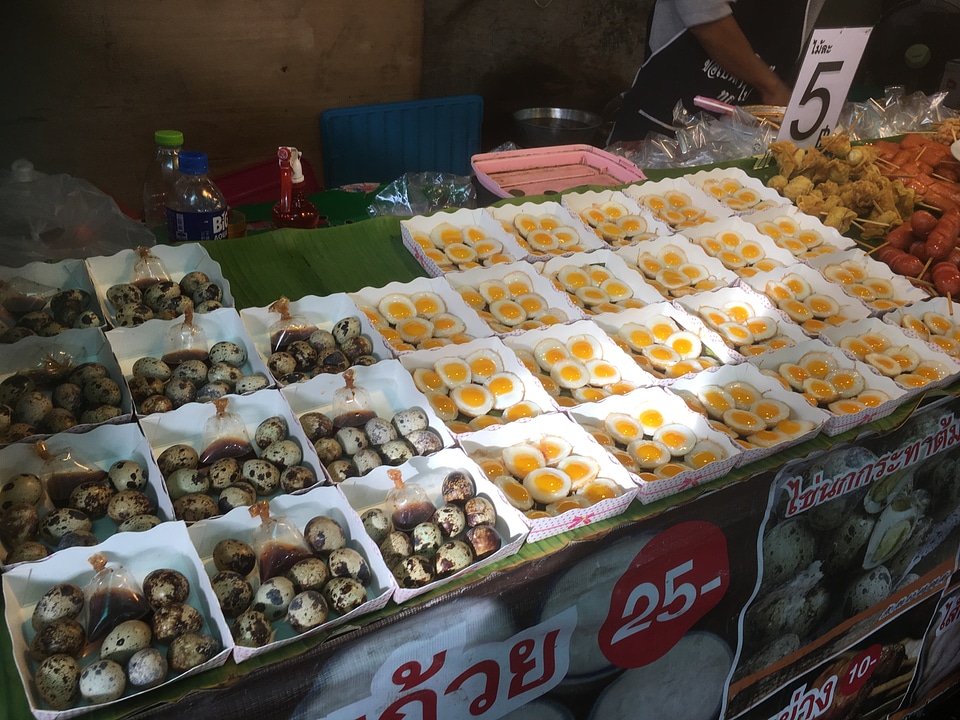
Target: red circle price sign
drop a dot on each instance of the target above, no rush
(679, 576)
(859, 670)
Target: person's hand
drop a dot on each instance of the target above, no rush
(777, 94)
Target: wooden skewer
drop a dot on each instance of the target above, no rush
(874, 222)
(941, 177)
(925, 283)
(950, 303)
(870, 252)
(926, 265)
(928, 206)
(922, 150)
(877, 105)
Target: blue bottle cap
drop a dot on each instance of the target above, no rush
(193, 163)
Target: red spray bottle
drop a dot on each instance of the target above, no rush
(293, 209)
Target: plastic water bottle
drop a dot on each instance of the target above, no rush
(196, 210)
(161, 176)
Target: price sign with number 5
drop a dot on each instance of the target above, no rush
(825, 76)
(676, 578)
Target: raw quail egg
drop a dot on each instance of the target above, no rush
(273, 597)
(649, 453)
(102, 681)
(344, 594)
(453, 371)
(547, 485)
(191, 649)
(473, 400)
(307, 610)
(147, 668)
(570, 373)
(62, 601)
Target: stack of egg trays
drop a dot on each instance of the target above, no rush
(165, 546)
(101, 447)
(151, 340)
(298, 509)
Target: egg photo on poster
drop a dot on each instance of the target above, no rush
(835, 562)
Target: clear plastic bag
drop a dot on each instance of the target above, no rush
(225, 436)
(185, 341)
(352, 406)
(19, 295)
(64, 471)
(111, 597)
(289, 327)
(424, 193)
(407, 503)
(52, 217)
(896, 113)
(278, 542)
(148, 269)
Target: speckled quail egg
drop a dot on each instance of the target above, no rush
(251, 383)
(152, 367)
(377, 523)
(64, 636)
(57, 523)
(240, 494)
(138, 523)
(223, 473)
(787, 548)
(165, 586)
(409, 420)
(124, 640)
(427, 537)
(128, 503)
(347, 328)
(233, 554)
(207, 292)
(262, 474)
(155, 404)
(425, 442)
(282, 453)
(146, 668)
(79, 538)
(127, 475)
(451, 520)
(844, 547)
(273, 597)
(316, 425)
(192, 280)
(344, 594)
(21, 488)
(58, 681)
(102, 414)
(157, 294)
(366, 460)
(458, 486)
(352, 440)
(20, 523)
(180, 391)
(27, 552)
(123, 294)
(480, 511)
(195, 507)
(223, 377)
(227, 352)
(62, 601)
(281, 364)
(31, 407)
(395, 546)
(309, 574)
(484, 540)
(342, 469)
(414, 571)
(252, 629)
(324, 534)
(194, 370)
(380, 431)
(271, 430)
(184, 481)
(396, 452)
(297, 477)
(177, 456)
(70, 397)
(175, 619)
(233, 592)
(191, 649)
(307, 610)
(207, 306)
(347, 562)
(452, 557)
(92, 498)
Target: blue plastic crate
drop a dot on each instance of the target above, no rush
(381, 142)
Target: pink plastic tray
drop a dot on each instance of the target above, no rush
(547, 170)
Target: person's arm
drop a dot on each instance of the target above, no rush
(725, 43)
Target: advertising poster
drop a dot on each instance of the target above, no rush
(609, 628)
(854, 537)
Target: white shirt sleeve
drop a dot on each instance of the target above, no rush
(672, 17)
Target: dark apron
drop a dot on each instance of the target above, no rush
(681, 70)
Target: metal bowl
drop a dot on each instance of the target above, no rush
(543, 126)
